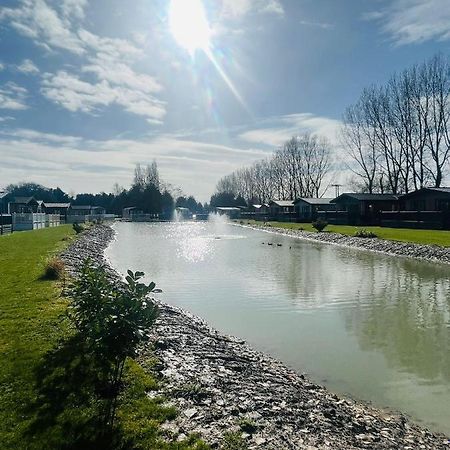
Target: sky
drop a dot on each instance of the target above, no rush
(90, 88)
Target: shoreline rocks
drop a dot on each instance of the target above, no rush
(430, 253)
(220, 384)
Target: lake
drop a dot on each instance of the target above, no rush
(366, 325)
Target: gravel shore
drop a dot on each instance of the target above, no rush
(431, 253)
(220, 384)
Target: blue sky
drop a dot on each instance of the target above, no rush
(90, 88)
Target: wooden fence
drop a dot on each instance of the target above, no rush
(5, 229)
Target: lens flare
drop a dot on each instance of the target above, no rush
(190, 28)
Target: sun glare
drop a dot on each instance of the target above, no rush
(189, 25)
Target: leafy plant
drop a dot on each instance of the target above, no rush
(192, 391)
(233, 440)
(320, 224)
(363, 233)
(77, 227)
(247, 425)
(113, 321)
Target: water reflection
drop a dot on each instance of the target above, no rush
(374, 326)
(408, 321)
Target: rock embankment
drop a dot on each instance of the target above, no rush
(220, 384)
(432, 253)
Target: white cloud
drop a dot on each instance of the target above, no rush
(113, 47)
(75, 94)
(238, 8)
(27, 66)
(322, 25)
(414, 21)
(195, 166)
(272, 6)
(109, 59)
(277, 130)
(73, 8)
(36, 20)
(13, 97)
(120, 74)
(69, 161)
(38, 136)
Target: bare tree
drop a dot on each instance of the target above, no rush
(139, 177)
(358, 140)
(296, 169)
(151, 175)
(397, 135)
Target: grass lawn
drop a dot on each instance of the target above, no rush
(433, 237)
(30, 325)
(29, 310)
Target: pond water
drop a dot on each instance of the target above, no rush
(370, 326)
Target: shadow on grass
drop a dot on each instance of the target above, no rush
(69, 409)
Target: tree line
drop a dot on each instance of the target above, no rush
(396, 138)
(148, 192)
(297, 169)
(397, 135)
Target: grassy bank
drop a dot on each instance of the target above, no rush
(30, 325)
(29, 310)
(429, 237)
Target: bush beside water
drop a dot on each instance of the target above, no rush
(320, 224)
(90, 394)
(366, 234)
(77, 227)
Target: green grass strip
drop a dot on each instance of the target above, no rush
(429, 237)
(29, 310)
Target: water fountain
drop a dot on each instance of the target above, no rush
(220, 224)
(176, 216)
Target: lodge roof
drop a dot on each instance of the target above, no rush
(445, 190)
(366, 197)
(57, 205)
(282, 203)
(314, 201)
(228, 208)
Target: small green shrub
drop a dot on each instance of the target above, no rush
(320, 224)
(247, 425)
(113, 323)
(77, 227)
(54, 269)
(363, 233)
(233, 441)
(192, 391)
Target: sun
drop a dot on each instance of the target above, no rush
(189, 25)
